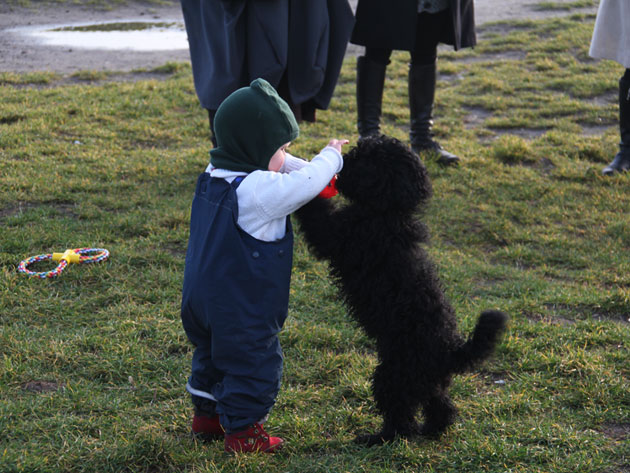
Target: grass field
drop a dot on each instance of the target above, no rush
(93, 364)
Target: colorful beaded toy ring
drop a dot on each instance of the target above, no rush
(78, 255)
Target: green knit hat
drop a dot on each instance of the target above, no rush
(250, 125)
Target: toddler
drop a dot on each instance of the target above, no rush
(238, 264)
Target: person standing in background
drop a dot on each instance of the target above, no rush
(611, 40)
(297, 46)
(417, 26)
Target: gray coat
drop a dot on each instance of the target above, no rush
(233, 42)
(611, 36)
(391, 24)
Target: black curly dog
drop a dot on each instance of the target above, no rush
(391, 288)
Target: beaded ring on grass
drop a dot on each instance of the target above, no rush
(78, 255)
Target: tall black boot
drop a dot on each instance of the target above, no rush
(621, 162)
(370, 81)
(211, 114)
(422, 81)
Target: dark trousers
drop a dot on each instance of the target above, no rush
(428, 32)
(235, 299)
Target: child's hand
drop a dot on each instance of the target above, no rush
(337, 144)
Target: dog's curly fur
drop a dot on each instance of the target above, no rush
(391, 288)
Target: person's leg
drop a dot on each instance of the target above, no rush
(232, 385)
(379, 55)
(251, 358)
(621, 162)
(422, 83)
(213, 138)
(370, 81)
(204, 375)
(247, 393)
(308, 111)
(206, 424)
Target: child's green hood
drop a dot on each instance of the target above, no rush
(250, 125)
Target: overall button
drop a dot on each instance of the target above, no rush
(281, 253)
(255, 254)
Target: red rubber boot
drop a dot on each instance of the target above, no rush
(207, 428)
(252, 439)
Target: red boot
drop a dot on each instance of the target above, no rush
(252, 439)
(207, 428)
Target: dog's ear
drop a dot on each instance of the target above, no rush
(360, 174)
(385, 174)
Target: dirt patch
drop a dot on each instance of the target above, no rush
(548, 319)
(63, 209)
(16, 210)
(619, 432)
(10, 119)
(41, 386)
(566, 314)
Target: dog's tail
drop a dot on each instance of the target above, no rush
(481, 344)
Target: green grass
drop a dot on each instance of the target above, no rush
(122, 26)
(565, 5)
(93, 364)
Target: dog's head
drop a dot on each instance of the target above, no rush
(384, 174)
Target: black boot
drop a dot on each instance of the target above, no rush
(621, 162)
(370, 81)
(422, 79)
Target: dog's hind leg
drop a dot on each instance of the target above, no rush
(395, 403)
(439, 412)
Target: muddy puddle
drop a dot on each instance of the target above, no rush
(131, 35)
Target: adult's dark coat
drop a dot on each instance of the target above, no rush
(391, 24)
(233, 42)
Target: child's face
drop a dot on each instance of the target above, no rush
(277, 160)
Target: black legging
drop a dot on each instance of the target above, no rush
(428, 32)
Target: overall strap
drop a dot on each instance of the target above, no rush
(237, 181)
(234, 184)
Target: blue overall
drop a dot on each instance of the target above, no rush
(234, 304)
